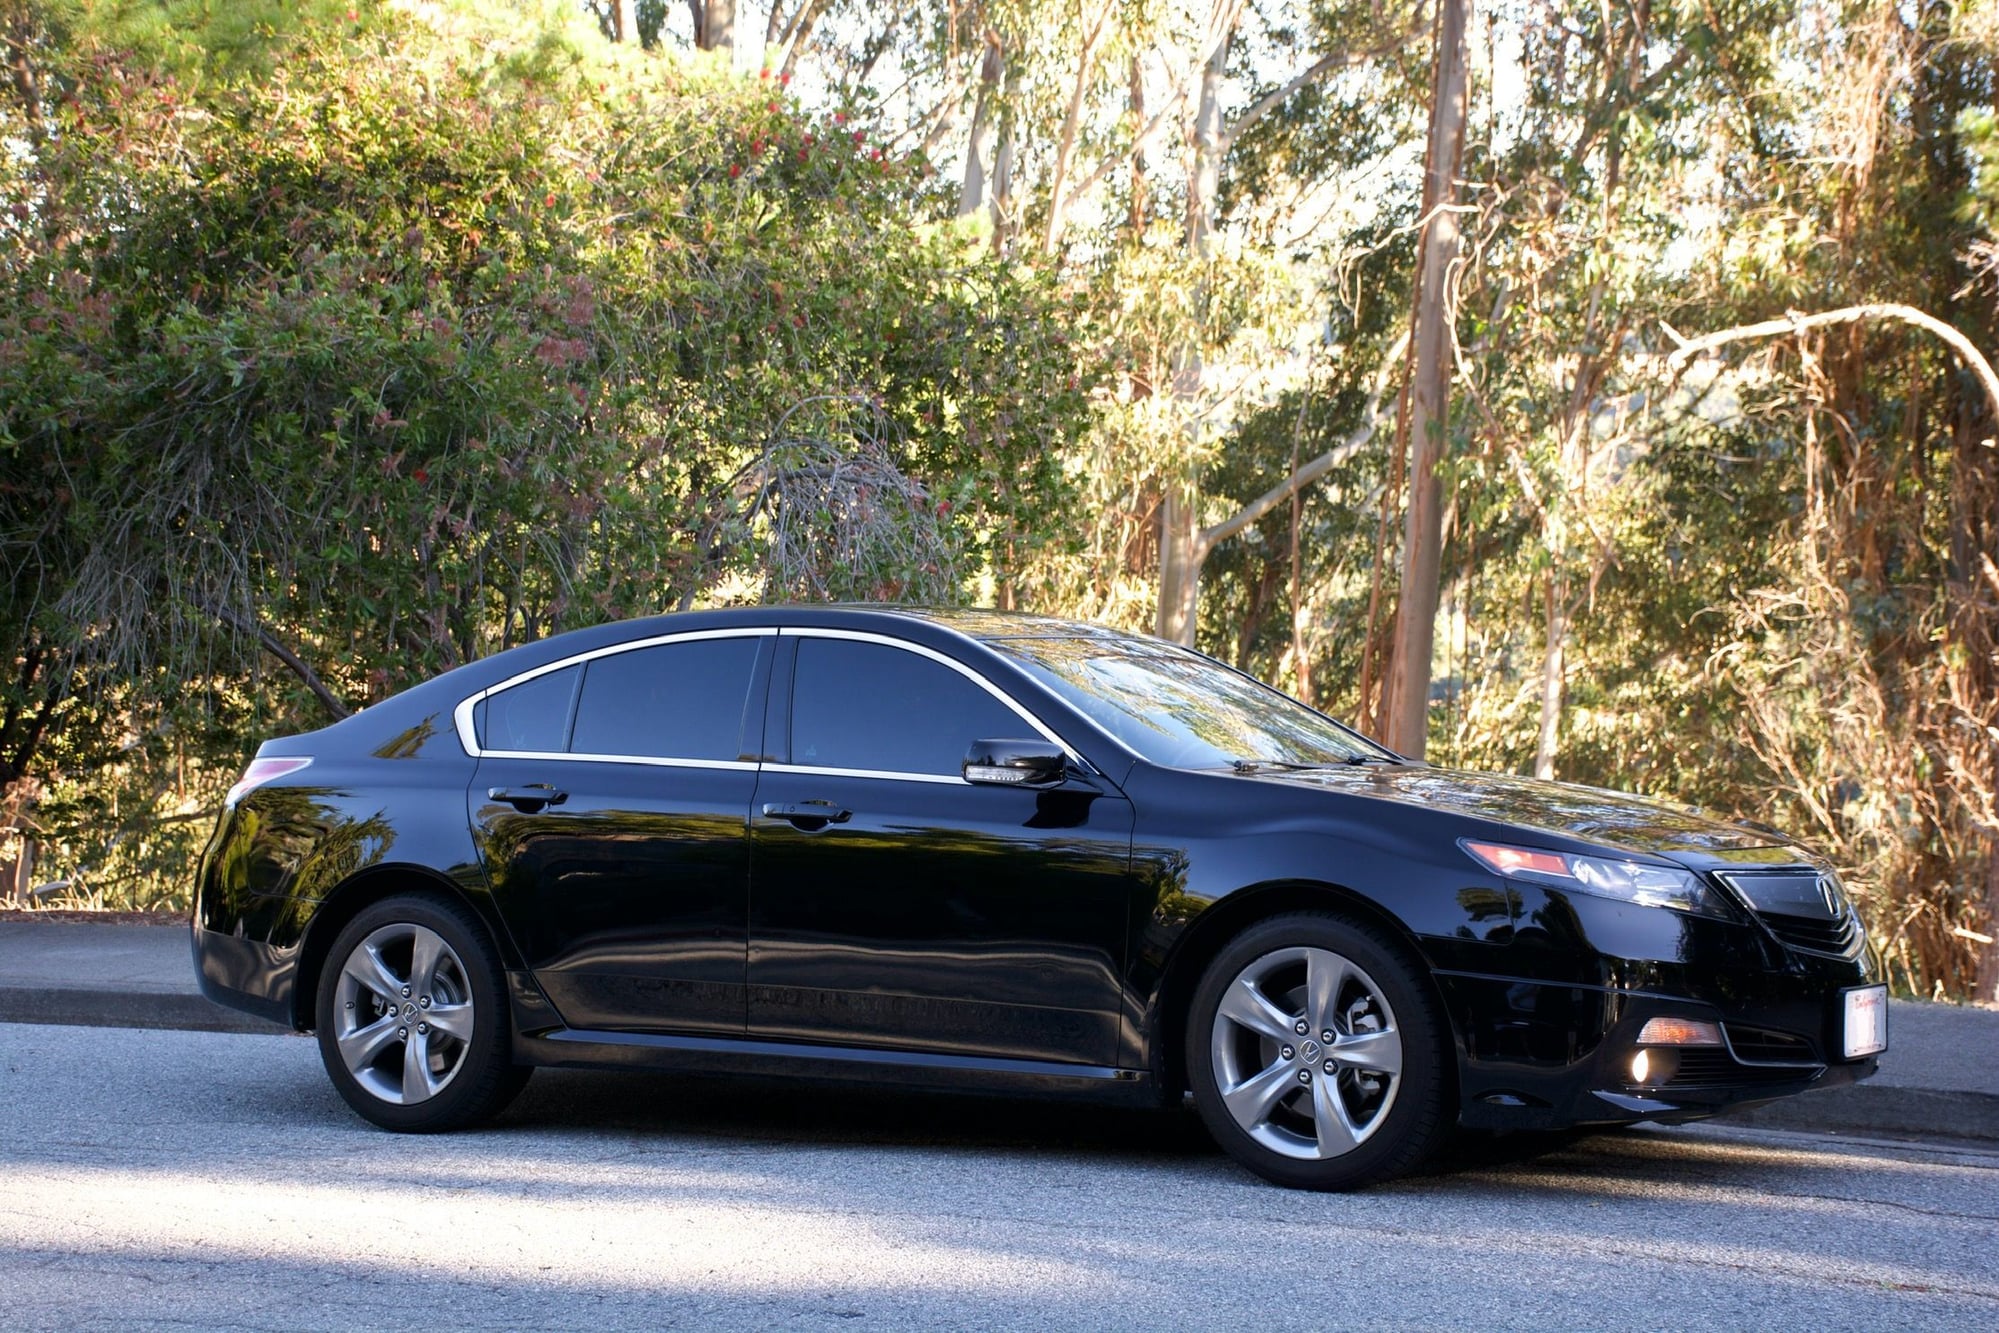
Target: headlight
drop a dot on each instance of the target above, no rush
(1629, 881)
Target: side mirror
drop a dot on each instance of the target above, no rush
(1035, 763)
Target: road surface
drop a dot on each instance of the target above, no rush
(170, 1179)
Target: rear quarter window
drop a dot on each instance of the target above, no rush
(531, 716)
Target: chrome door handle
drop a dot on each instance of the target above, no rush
(808, 815)
(530, 798)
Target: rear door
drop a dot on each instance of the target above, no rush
(893, 904)
(611, 806)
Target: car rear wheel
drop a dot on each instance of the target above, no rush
(412, 1017)
(1316, 1054)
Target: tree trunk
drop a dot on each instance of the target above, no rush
(624, 20)
(20, 36)
(1407, 710)
(978, 145)
(1135, 218)
(1553, 658)
(718, 26)
(795, 33)
(1072, 123)
(1004, 159)
(1180, 556)
(1179, 564)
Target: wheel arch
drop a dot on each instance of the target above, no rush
(1210, 932)
(349, 899)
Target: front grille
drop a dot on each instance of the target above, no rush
(1839, 938)
(1764, 1046)
(1803, 906)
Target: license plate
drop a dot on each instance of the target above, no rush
(1866, 1021)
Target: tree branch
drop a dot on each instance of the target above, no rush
(1371, 417)
(1686, 349)
(1317, 70)
(243, 624)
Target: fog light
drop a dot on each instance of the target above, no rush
(1654, 1068)
(1678, 1032)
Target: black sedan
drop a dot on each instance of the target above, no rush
(1012, 853)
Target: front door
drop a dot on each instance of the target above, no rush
(895, 905)
(611, 805)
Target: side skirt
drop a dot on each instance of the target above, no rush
(747, 1056)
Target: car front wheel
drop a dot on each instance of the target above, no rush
(1316, 1054)
(412, 1017)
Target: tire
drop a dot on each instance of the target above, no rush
(412, 1017)
(1261, 1085)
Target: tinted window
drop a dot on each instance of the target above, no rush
(673, 701)
(866, 705)
(1177, 707)
(533, 715)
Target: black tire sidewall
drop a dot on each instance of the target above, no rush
(487, 1079)
(1416, 1123)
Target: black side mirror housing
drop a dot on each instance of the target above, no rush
(1015, 763)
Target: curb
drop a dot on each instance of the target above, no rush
(126, 1009)
(1882, 1111)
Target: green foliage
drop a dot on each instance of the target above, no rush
(395, 358)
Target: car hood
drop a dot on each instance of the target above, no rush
(1590, 814)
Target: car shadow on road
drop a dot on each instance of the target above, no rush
(788, 1111)
(770, 1111)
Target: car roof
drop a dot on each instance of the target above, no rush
(987, 623)
(442, 692)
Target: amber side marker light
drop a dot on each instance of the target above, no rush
(1507, 860)
(1679, 1032)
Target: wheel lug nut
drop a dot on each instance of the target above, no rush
(1288, 1052)
(1331, 1068)
(1302, 1028)
(403, 1033)
(1327, 1036)
(406, 992)
(425, 1002)
(422, 1029)
(1304, 1076)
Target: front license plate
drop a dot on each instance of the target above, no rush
(1866, 1021)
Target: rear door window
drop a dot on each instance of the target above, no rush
(686, 700)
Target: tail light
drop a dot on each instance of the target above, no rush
(261, 771)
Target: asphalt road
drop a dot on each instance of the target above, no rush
(163, 1179)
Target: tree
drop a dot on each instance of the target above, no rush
(1408, 694)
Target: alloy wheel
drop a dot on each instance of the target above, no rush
(1307, 1053)
(403, 1013)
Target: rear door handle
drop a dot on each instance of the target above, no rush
(808, 815)
(530, 798)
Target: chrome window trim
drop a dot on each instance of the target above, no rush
(886, 775)
(649, 760)
(468, 738)
(1041, 728)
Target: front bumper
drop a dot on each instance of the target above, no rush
(1538, 1055)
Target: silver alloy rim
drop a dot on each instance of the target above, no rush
(402, 1014)
(1307, 1053)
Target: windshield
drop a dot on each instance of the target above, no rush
(1180, 709)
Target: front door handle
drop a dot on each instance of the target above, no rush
(808, 815)
(530, 798)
